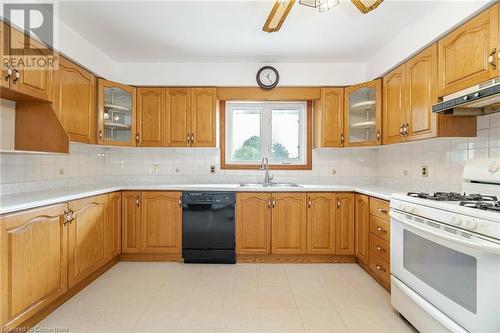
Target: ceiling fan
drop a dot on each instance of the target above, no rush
(281, 8)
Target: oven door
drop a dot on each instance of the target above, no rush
(457, 272)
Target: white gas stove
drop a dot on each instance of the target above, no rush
(445, 254)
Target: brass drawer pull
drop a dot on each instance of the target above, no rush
(380, 229)
(380, 268)
(380, 249)
(384, 211)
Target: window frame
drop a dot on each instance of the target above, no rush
(306, 139)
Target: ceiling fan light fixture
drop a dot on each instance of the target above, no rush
(311, 3)
(326, 5)
(282, 2)
(366, 6)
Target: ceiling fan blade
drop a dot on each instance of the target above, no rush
(278, 14)
(366, 6)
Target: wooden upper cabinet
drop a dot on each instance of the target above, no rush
(114, 225)
(253, 223)
(328, 118)
(35, 82)
(86, 237)
(321, 223)
(464, 53)
(161, 222)
(421, 94)
(116, 117)
(33, 247)
(151, 117)
(362, 227)
(75, 101)
(289, 223)
(394, 106)
(363, 114)
(345, 224)
(4, 42)
(203, 114)
(178, 118)
(131, 221)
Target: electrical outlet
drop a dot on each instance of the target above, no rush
(61, 171)
(212, 169)
(405, 172)
(155, 169)
(424, 171)
(334, 172)
(177, 170)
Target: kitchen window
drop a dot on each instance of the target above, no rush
(276, 130)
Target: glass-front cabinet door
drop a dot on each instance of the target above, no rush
(363, 114)
(116, 119)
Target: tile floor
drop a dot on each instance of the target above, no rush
(174, 297)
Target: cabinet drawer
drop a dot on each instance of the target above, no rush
(379, 267)
(379, 208)
(380, 247)
(380, 228)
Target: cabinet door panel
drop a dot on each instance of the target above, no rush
(463, 54)
(329, 118)
(150, 117)
(33, 262)
(362, 227)
(131, 221)
(4, 43)
(321, 223)
(74, 101)
(289, 223)
(253, 223)
(161, 222)
(345, 224)
(394, 105)
(421, 94)
(87, 242)
(114, 225)
(203, 113)
(32, 82)
(178, 117)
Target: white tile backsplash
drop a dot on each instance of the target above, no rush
(393, 165)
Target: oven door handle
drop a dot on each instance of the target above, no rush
(485, 246)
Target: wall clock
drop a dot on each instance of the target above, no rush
(268, 77)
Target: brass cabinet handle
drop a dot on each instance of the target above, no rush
(338, 203)
(406, 132)
(100, 135)
(137, 138)
(8, 71)
(384, 211)
(188, 142)
(137, 201)
(380, 268)
(401, 131)
(342, 138)
(380, 229)
(180, 202)
(17, 76)
(309, 202)
(192, 138)
(378, 135)
(491, 59)
(269, 203)
(380, 249)
(274, 203)
(66, 217)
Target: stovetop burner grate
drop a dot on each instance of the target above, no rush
(453, 196)
(493, 206)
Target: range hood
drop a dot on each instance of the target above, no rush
(479, 100)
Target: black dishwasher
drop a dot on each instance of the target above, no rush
(208, 227)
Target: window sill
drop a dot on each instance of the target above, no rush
(271, 166)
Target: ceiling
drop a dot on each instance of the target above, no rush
(231, 31)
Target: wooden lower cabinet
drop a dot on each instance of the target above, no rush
(87, 237)
(321, 223)
(362, 227)
(345, 224)
(161, 222)
(289, 223)
(33, 267)
(253, 223)
(131, 221)
(114, 225)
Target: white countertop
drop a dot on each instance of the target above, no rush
(16, 202)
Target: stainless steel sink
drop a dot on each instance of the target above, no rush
(255, 184)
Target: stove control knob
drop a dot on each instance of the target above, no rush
(410, 209)
(470, 224)
(493, 168)
(455, 220)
